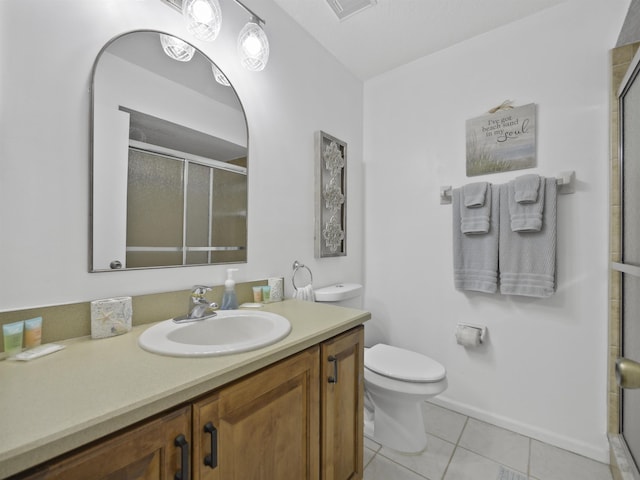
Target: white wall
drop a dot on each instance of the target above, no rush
(46, 57)
(543, 372)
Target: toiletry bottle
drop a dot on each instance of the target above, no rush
(229, 299)
(33, 332)
(13, 333)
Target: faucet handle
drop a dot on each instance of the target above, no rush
(198, 291)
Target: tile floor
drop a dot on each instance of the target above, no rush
(463, 448)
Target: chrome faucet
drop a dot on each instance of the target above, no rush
(199, 307)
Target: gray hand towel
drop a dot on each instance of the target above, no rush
(528, 259)
(526, 188)
(474, 194)
(475, 257)
(525, 217)
(475, 208)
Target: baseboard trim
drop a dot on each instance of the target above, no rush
(599, 453)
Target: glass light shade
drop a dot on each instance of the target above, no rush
(176, 48)
(202, 18)
(253, 47)
(220, 77)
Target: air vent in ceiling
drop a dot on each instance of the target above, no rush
(346, 8)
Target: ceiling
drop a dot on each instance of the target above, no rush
(395, 32)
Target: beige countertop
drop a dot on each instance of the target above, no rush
(92, 388)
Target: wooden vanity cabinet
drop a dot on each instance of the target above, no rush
(267, 425)
(146, 452)
(298, 419)
(342, 397)
(282, 424)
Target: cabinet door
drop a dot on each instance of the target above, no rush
(342, 390)
(267, 424)
(147, 452)
(206, 422)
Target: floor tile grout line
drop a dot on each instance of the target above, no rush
(493, 425)
(466, 422)
(370, 460)
(529, 459)
(492, 460)
(529, 439)
(455, 447)
(444, 473)
(406, 467)
(375, 454)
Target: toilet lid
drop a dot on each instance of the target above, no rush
(402, 364)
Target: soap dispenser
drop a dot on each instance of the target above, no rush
(229, 299)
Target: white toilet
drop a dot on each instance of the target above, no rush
(396, 383)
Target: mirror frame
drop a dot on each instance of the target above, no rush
(92, 131)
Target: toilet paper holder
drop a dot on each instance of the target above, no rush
(482, 329)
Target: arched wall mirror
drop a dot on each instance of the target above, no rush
(169, 160)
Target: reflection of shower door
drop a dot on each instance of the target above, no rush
(629, 107)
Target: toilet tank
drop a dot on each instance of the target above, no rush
(342, 294)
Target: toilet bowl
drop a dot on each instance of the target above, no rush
(397, 382)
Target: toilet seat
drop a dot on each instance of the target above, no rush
(380, 383)
(402, 365)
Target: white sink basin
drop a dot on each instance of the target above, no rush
(230, 331)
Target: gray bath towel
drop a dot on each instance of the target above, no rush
(528, 259)
(526, 188)
(525, 217)
(475, 257)
(475, 208)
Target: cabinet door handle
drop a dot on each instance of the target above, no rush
(334, 377)
(183, 473)
(211, 460)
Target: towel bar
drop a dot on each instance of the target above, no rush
(564, 180)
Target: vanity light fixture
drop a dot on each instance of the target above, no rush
(253, 46)
(176, 48)
(203, 19)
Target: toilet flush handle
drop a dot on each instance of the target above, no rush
(334, 378)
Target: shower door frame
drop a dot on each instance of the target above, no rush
(627, 461)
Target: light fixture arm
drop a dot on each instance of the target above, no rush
(250, 12)
(246, 9)
(204, 21)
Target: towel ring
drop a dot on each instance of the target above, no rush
(296, 267)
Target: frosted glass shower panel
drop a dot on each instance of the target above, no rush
(184, 212)
(229, 225)
(155, 209)
(199, 186)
